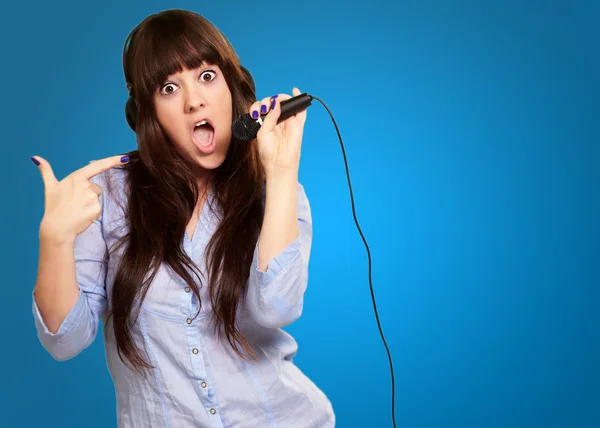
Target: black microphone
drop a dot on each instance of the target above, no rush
(245, 128)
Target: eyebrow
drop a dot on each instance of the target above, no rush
(204, 64)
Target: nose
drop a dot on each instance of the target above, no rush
(194, 99)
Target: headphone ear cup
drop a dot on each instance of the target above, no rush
(249, 77)
(131, 113)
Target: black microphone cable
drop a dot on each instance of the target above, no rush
(368, 255)
(246, 128)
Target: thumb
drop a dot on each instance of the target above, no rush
(46, 170)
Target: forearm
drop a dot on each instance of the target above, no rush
(280, 223)
(279, 274)
(56, 290)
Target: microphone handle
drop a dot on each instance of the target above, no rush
(245, 128)
(294, 105)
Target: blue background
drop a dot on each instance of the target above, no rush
(472, 135)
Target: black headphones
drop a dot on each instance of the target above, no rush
(131, 103)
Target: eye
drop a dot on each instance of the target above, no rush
(168, 89)
(208, 76)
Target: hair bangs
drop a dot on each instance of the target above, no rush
(172, 46)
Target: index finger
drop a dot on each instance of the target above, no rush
(98, 166)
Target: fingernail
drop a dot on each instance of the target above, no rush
(275, 96)
(273, 103)
(125, 159)
(35, 161)
(263, 108)
(254, 114)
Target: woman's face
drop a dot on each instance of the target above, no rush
(194, 107)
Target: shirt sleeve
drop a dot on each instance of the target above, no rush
(275, 297)
(78, 330)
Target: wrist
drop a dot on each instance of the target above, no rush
(280, 174)
(51, 235)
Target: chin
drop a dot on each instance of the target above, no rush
(211, 162)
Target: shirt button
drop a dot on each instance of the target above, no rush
(203, 384)
(187, 289)
(189, 320)
(195, 351)
(213, 411)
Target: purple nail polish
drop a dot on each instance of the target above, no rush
(125, 159)
(35, 161)
(254, 114)
(273, 103)
(275, 96)
(263, 109)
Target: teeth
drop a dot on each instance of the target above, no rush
(201, 123)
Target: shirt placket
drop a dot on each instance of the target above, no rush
(199, 373)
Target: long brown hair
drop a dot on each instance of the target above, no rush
(163, 191)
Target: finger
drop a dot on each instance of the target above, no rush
(93, 211)
(270, 121)
(96, 167)
(96, 189)
(254, 109)
(301, 116)
(46, 170)
(266, 104)
(261, 108)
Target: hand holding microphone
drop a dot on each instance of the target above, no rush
(277, 123)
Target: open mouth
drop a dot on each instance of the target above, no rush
(203, 135)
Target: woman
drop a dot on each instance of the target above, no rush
(193, 249)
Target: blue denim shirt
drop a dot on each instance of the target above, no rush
(199, 381)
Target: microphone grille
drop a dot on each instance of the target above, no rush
(245, 128)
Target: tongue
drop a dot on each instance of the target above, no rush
(203, 135)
